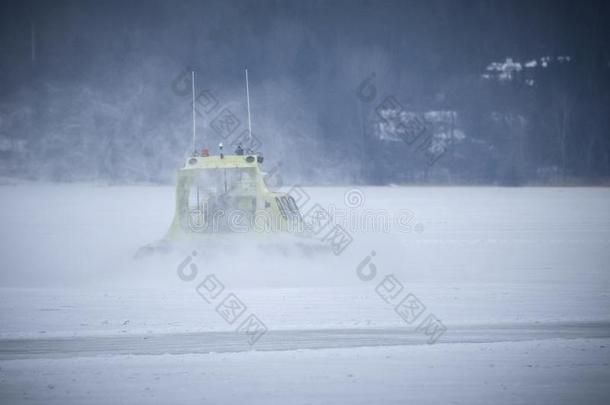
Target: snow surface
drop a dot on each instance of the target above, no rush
(519, 276)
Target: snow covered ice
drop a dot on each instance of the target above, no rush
(517, 275)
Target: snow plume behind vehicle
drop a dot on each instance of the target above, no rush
(75, 235)
(82, 234)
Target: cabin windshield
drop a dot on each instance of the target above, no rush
(216, 190)
(230, 182)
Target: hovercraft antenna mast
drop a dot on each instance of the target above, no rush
(248, 102)
(194, 125)
(194, 128)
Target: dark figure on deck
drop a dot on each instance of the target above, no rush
(239, 150)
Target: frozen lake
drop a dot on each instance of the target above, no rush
(518, 276)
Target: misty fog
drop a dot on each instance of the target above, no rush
(505, 93)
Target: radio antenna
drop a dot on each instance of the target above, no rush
(194, 124)
(248, 102)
